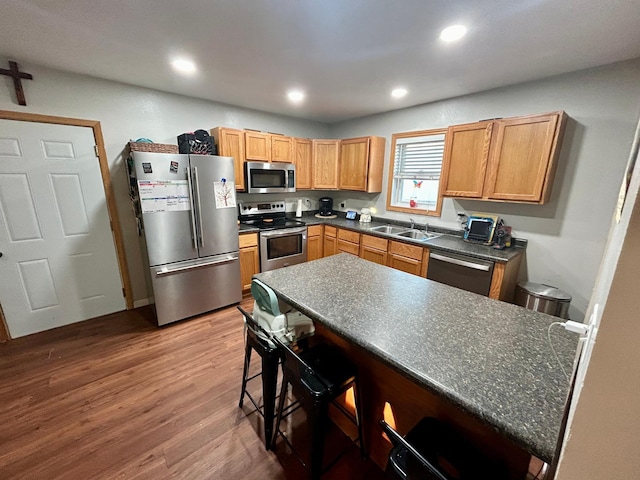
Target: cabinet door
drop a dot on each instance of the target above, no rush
(466, 154)
(314, 247)
(325, 164)
(354, 156)
(373, 254)
(257, 146)
(231, 144)
(374, 249)
(302, 155)
(523, 159)
(281, 149)
(406, 264)
(249, 259)
(330, 245)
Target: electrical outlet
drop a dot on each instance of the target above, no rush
(343, 204)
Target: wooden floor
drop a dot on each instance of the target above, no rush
(118, 397)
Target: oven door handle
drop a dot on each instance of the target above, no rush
(283, 232)
(462, 263)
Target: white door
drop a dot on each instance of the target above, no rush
(58, 263)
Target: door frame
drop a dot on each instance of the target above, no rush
(108, 191)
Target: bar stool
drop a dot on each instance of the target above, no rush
(318, 376)
(433, 451)
(256, 339)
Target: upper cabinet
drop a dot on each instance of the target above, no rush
(325, 164)
(303, 158)
(257, 146)
(231, 144)
(281, 148)
(511, 160)
(361, 164)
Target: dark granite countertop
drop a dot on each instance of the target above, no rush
(449, 242)
(488, 357)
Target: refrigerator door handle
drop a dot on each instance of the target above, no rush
(194, 232)
(197, 189)
(166, 271)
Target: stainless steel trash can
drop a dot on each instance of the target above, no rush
(543, 298)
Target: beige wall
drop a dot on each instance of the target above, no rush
(602, 439)
(568, 234)
(127, 112)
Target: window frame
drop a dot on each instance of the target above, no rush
(416, 211)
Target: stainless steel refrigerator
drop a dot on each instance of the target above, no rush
(190, 224)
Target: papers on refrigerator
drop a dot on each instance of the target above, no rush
(163, 195)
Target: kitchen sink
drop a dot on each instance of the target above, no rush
(418, 234)
(389, 229)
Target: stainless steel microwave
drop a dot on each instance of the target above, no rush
(266, 177)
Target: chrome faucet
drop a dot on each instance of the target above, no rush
(413, 224)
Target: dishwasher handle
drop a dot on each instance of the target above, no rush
(463, 263)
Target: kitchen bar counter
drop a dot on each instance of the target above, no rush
(487, 357)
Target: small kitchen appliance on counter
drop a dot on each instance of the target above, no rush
(326, 207)
(283, 240)
(481, 228)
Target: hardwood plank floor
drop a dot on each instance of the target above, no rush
(118, 397)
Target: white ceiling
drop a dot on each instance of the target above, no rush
(346, 54)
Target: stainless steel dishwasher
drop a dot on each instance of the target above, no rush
(461, 271)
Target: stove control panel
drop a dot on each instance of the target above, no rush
(254, 208)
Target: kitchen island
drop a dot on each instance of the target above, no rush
(486, 360)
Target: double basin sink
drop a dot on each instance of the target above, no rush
(404, 232)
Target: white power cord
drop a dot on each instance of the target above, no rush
(570, 326)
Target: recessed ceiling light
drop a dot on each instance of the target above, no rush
(184, 66)
(295, 96)
(399, 92)
(453, 33)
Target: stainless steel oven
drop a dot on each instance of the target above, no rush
(282, 247)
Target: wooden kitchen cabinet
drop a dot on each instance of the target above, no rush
(302, 158)
(466, 154)
(510, 160)
(314, 242)
(330, 246)
(523, 162)
(326, 155)
(348, 242)
(281, 148)
(249, 259)
(230, 143)
(374, 249)
(257, 146)
(361, 164)
(408, 258)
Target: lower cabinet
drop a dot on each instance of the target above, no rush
(314, 242)
(374, 249)
(249, 259)
(330, 246)
(408, 258)
(348, 242)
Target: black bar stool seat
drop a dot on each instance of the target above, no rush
(318, 375)
(433, 451)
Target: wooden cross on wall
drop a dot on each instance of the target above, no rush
(17, 76)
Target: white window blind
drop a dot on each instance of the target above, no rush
(419, 158)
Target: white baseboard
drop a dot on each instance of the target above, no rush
(143, 302)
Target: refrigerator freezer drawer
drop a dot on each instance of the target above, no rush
(185, 289)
